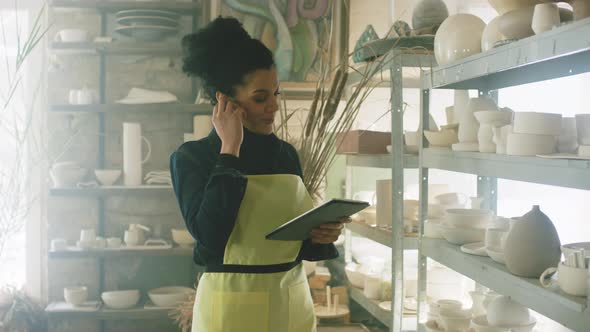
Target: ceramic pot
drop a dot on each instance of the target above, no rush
(517, 24)
(491, 34)
(458, 37)
(468, 125)
(429, 13)
(505, 6)
(532, 245)
(545, 17)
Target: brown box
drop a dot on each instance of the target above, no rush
(363, 142)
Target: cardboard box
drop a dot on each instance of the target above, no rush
(363, 142)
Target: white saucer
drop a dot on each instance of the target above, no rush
(477, 249)
(466, 147)
(322, 311)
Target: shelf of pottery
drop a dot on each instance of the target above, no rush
(120, 256)
(521, 260)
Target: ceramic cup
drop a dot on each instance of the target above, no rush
(114, 242)
(85, 97)
(72, 36)
(131, 238)
(545, 17)
(87, 235)
(571, 280)
(58, 244)
(76, 295)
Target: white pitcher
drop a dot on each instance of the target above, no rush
(132, 162)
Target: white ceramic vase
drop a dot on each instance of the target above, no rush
(132, 154)
(532, 245)
(429, 13)
(545, 17)
(458, 37)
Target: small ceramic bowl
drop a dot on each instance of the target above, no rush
(469, 218)
(537, 123)
(496, 254)
(76, 295)
(182, 237)
(107, 177)
(169, 296)
(455, 321)
(443, 138)
(461, 236)
(121, 299)
(432, 229)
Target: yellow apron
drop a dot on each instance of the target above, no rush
(254, 301)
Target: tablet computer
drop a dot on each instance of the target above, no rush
(331, 211)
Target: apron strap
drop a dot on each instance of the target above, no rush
(253, 269)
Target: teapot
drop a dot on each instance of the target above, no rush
(136, 234)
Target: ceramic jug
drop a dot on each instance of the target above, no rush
(532, 245)
(132, 161)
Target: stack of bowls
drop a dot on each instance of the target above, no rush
(504, 315)
(533, 134)
(147, 25)
(463, 226)
(448, 315)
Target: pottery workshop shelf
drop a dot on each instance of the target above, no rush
(116, 48)
(565, 309)
(379, 160)
(197, 109)
(382, 315)
(181, 7)
(558, 172)
(112, 253)
(112, 191)
(138, 313)
(561, 52)
(379, 235)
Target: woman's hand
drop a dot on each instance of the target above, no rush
(328, 233)
(227, 120)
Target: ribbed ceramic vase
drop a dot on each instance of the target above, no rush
(532, 245)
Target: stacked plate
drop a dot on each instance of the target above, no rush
(147, 25)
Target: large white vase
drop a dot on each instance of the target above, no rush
(132, 154)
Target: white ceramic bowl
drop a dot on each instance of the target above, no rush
(537, 123)
(355, 276)
(432, 229)
(504, 6)
(530, 144)
(493, 118)
(458, 37)
(491, 35)
(455, 321)
(496, 254)
(517, 24)
(469, 218)
(182, 237)
(67, 177)
(503, 311)
(443, 138)
(107, 177)
(461, 236)
(121, 299)
(72, 36)
(169, 296)
(480, 324)
(432, 326)
(76, 295)
(495, 237)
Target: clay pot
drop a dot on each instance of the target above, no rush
(429, 13)
(458, 37)
(532, 246)
(491, 35)
(505, 6)
(517, 24)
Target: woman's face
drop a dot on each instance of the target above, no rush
(259, 97)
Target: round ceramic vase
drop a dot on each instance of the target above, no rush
(429, 13)
(532, 246)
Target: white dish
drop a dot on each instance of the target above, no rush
(182, 237)
(120, 299)
(530, 144)
(477, 249)
(496, 255)
(469, 218)
(537, 123)
(461, 236)
(466, 147)
(146, 33)
(147, 20)
(148, 12)
(107, 177)
(443, 138)
(169, 296)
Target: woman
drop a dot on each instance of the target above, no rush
(238, 184)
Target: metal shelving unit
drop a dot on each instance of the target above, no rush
(396, 59)
(561, 52)
(193, 9)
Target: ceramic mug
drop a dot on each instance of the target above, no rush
(545, 17)
(87, 235)
(131, 238)
(76, 295)
(571, 280)
(72, 36)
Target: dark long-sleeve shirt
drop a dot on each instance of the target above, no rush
(210, 187)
